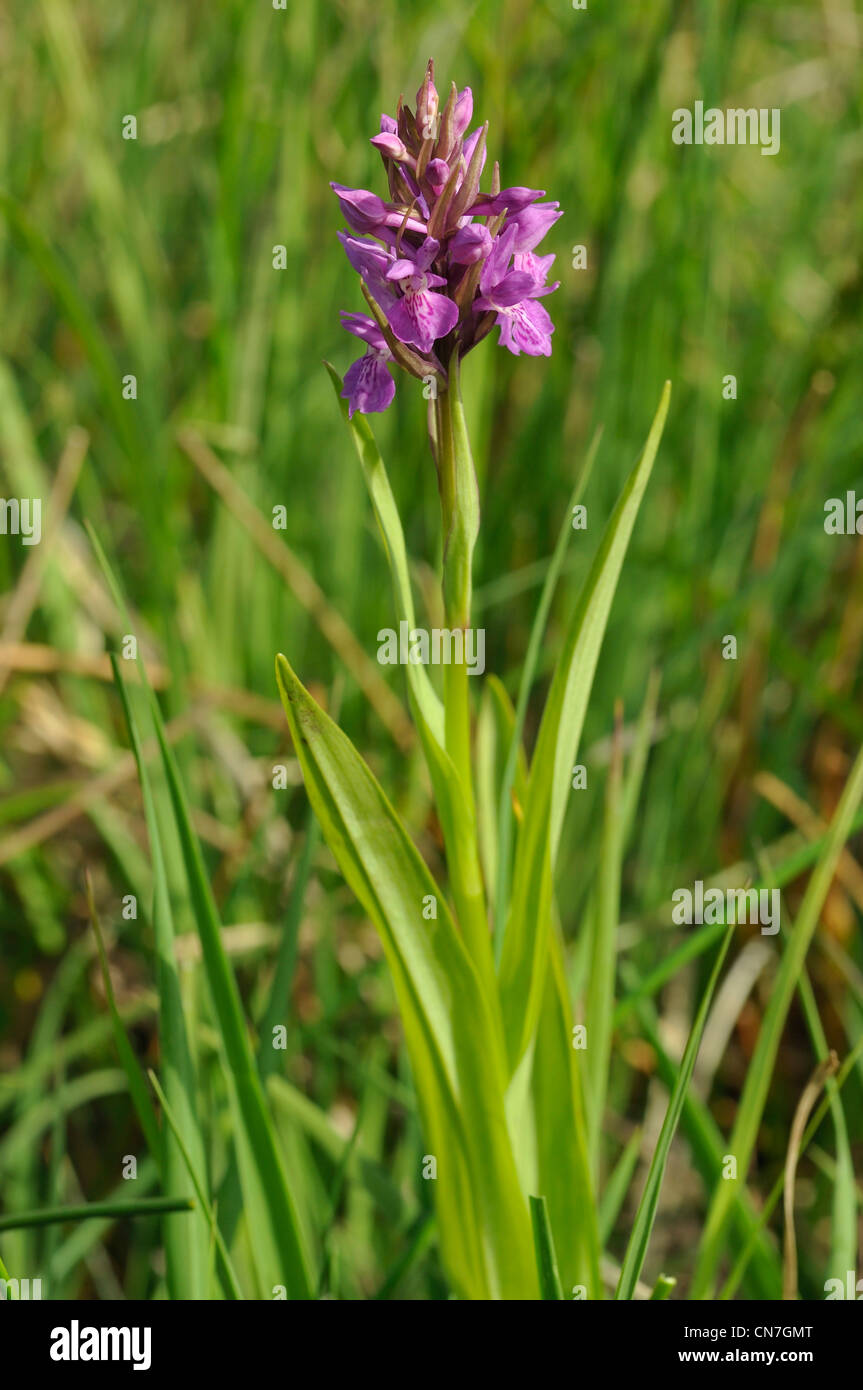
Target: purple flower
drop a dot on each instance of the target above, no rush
(526, 327)
(421, 316)
(368, 386)
(441, 261)
(511, 294)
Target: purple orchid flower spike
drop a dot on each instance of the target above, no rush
(441, 261)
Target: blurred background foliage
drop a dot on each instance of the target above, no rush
(154, 257)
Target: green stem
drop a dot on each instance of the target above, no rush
(459, 500)
(460, 511)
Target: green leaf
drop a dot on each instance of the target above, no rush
(600, 990)
(560, 1127)
(494, 736)
(615, 1189)
(428, 714)
(522, 970)
(514, 747)
(455, 1049)
(563, 716)
(274, 1227)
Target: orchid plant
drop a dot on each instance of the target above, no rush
(510, 1108)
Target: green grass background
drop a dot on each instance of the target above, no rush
(153, 257)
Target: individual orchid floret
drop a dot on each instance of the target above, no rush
(511, 293)
(421, 316)
(368, 386)
(441, 260)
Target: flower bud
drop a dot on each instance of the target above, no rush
(463, 112)
(390, 145)
(427, 105)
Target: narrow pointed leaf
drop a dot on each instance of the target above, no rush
(522, 970)
(455, 1051)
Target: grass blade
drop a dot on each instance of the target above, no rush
(546, 1260)
(88, 1211)
(636, 1249)
(600, 991)
(137, 1084)
(186, 1259)
(615, 1190)
(229, 1278)
(745, 1132)
(276, 1235)
(277, 1243)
